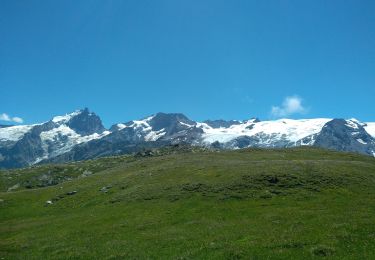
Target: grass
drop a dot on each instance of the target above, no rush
(188, 204)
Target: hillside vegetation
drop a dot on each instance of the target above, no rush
(189, 203)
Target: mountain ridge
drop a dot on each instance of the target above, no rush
(81, 135)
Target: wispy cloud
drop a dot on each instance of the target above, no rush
(7, 118)
(291, 105)
(241, 94)
(17, 119)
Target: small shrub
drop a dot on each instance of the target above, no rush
(322, 250)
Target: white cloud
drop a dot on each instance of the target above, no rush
(6, 117)
(17, 119)
(291, 105)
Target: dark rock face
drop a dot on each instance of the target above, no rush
(191, 136)
(255, 120)
(27, 149)
(343, 135)
(225, 124)
(86, 123)
(177, 127)
(172, 123)
(217, 145)
(221, 123)
(308, 140)
(258, 141)
(242, 142)
(22, 153)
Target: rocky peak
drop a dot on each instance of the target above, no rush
(86, 123)
(345, 135)
(170, 122)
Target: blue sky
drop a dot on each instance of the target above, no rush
(208, 59)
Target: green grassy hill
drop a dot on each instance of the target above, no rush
(192, 203)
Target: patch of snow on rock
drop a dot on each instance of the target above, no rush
(182, 123)
(361, 141)
(63, 139)
(353, 123)
(121, 126)
(155, 135)
(144, 129)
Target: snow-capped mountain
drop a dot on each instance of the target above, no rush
(81, 135)
(278, 133)
(30, 144)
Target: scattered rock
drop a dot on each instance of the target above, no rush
(85, 174)
(105, 189)
(28, 186)
(144, 153)
(322, 250)
(273, 179)
(14, 187)
(71, 192)
(47, 179)
(250, 127)
(49, 202)
(58, 197)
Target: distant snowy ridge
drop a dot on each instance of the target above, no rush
(293, 130)
(80, 135)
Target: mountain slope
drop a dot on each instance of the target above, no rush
(27, 145)
(346, 135)
(298, 203)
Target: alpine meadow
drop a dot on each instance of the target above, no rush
(163, 129)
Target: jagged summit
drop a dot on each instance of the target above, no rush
(86, 123)
(81, 121)
(171, 123)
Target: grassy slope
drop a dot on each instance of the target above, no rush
(296, 203)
